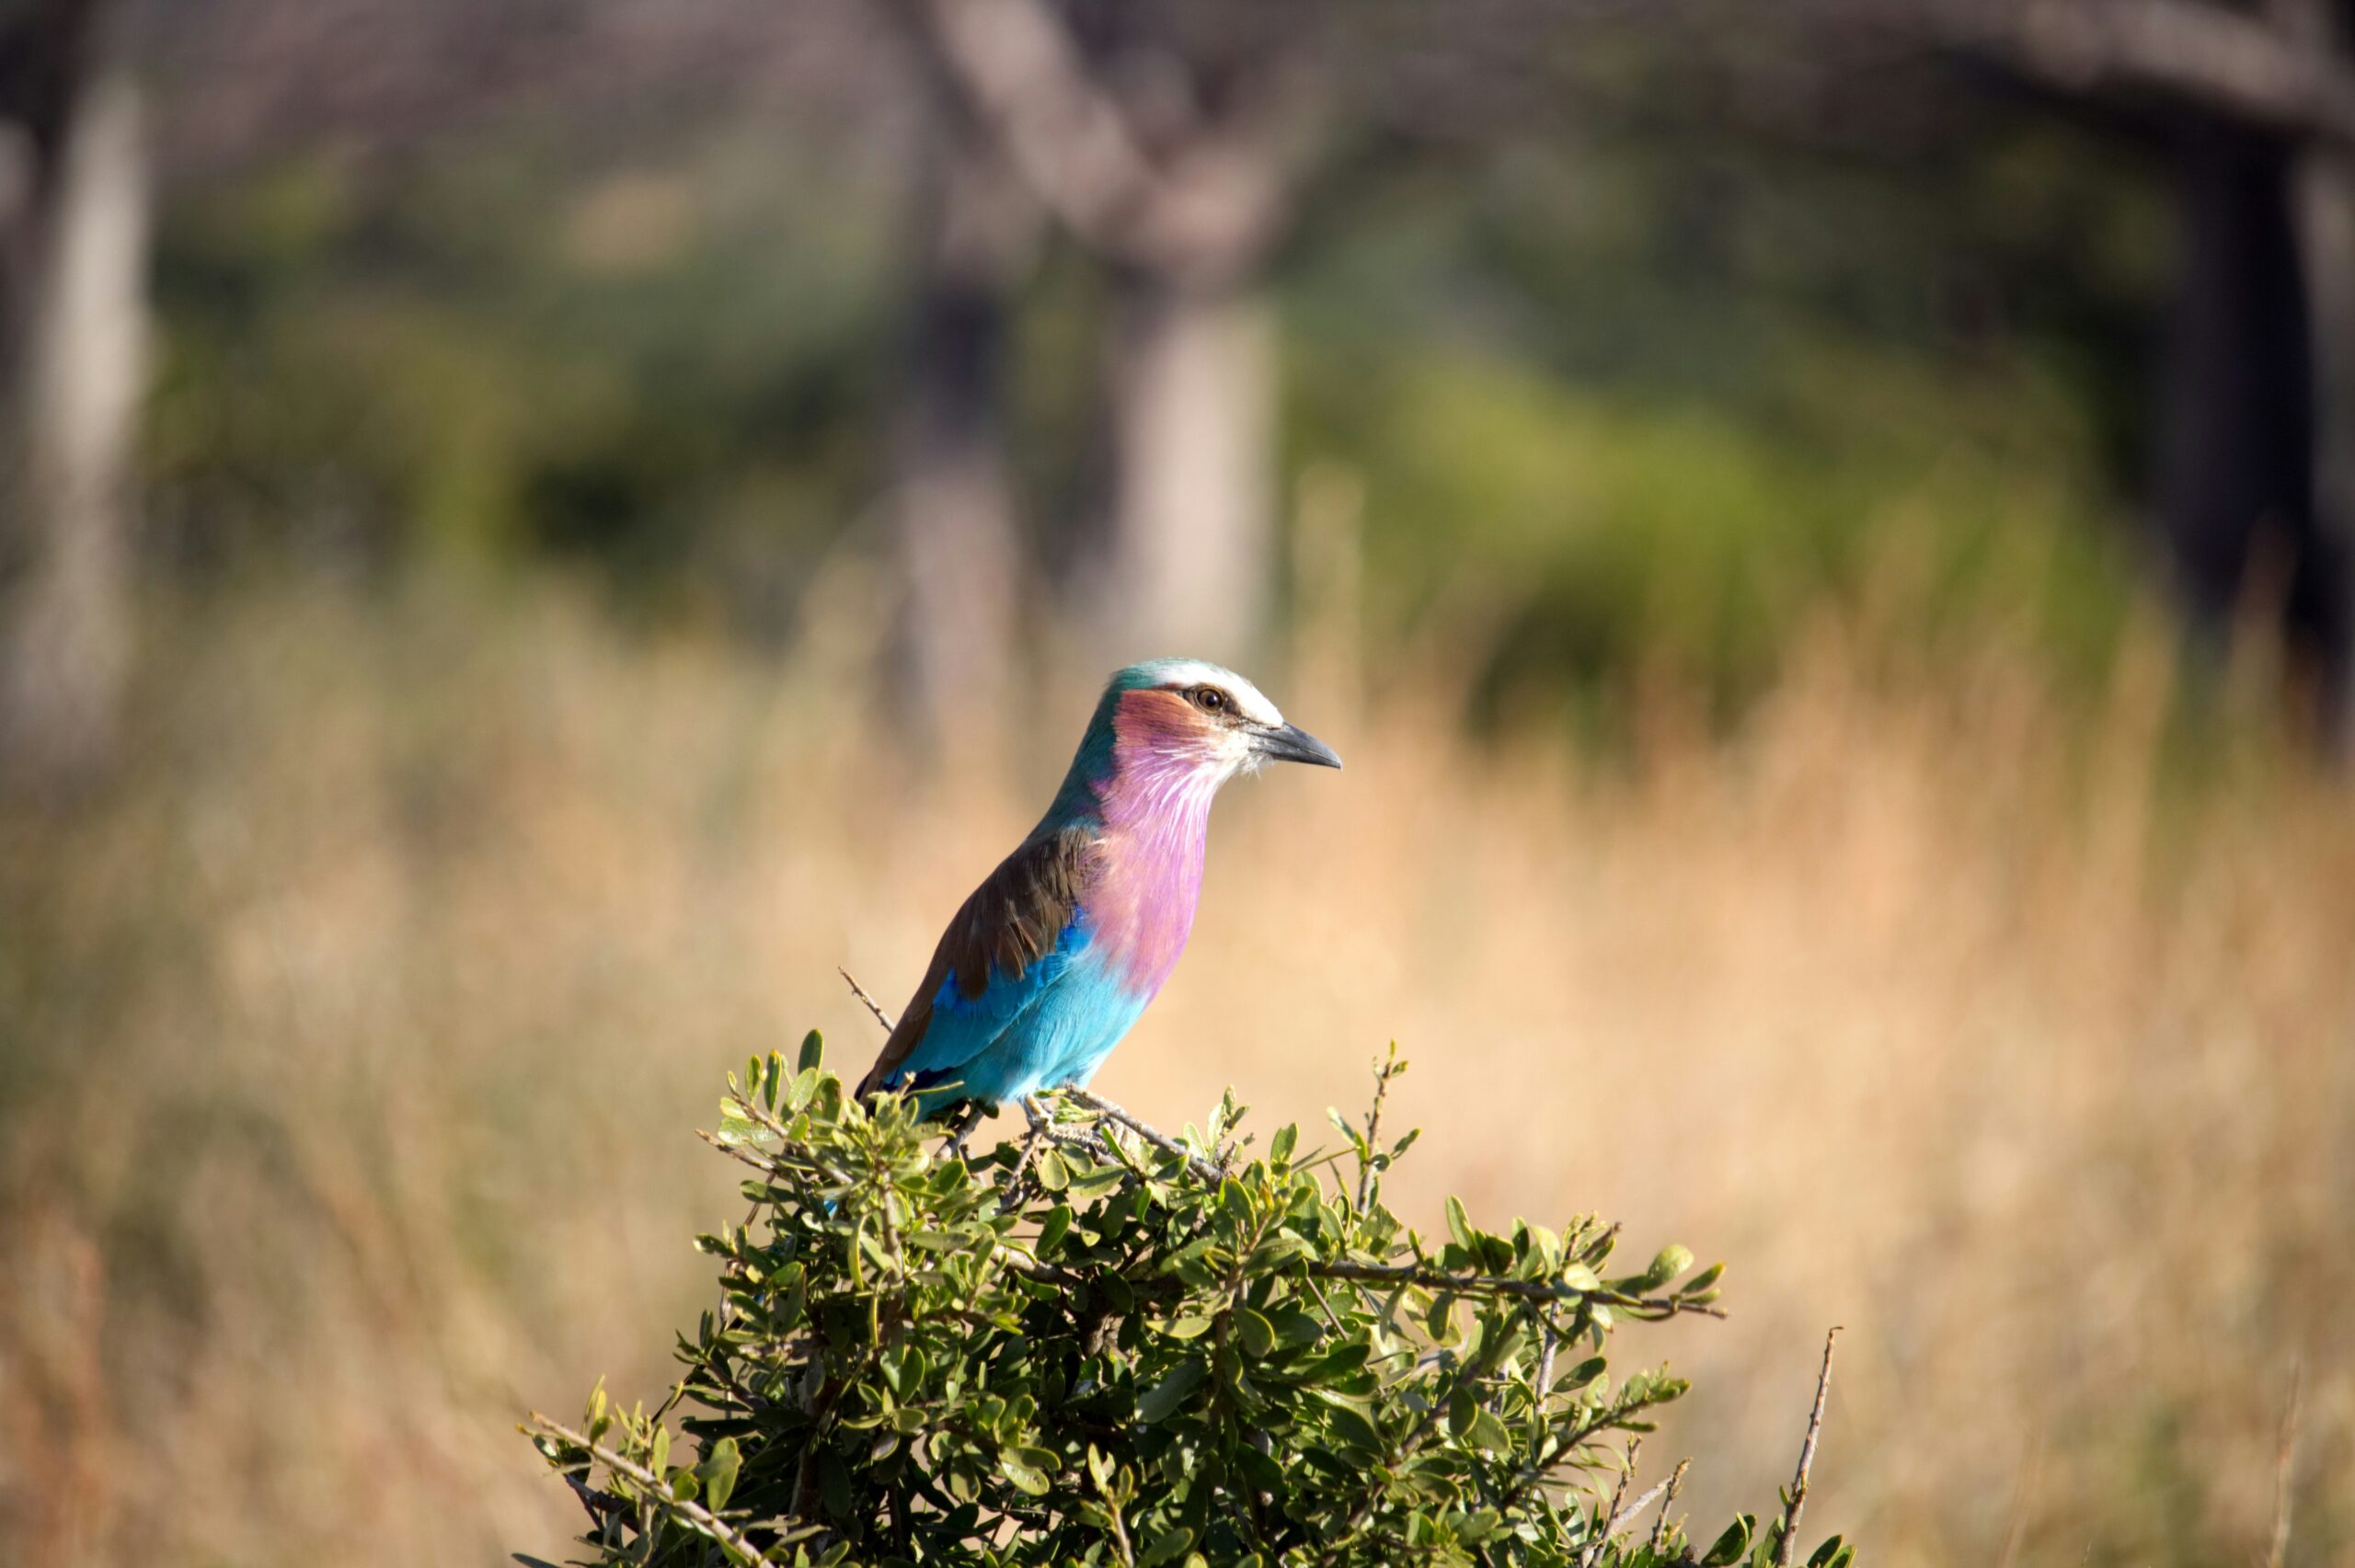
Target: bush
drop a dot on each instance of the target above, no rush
(1100, 1345)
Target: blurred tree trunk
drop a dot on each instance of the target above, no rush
(1189, 538)
(2257, 481)
(1174, 173)
(72, 230)
(959, 550)
(2323, 201)
(2236, 455)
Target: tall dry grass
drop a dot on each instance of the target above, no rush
(353, 1040)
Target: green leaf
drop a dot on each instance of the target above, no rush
(1672, 1262)
(1729, 1547)
(718, 1473)
(1041, 1460)
(1025, 1478)
(1488, 1433)
(1052, 1228)
(1259, 1335)
(1459, 1227)
(1052, 1174)
(813, 1052)
(1169, 1544)
(1170, 1392)
(1280, 1147)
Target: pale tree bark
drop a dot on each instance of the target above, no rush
(1180, 199)
(1191, 390)
(72, 364)
(953, 509)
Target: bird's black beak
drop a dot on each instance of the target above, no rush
(1294, 744)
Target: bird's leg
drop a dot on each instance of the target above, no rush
(967, 1118)
(1037, 1117)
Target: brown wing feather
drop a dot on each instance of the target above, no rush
(1009, 922)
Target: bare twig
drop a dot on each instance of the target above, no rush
(1614, 1516)
(658, 1493)
(1383, 1071)
(1667, 1500)
(1161, 1140)
(2285, 1458)
(1626, 1515)
(1797, 1502)
(872, 1005)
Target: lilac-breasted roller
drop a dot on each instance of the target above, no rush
(1058, 950)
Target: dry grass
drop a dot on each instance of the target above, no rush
(352, 1046)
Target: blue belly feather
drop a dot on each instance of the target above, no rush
(1052, 1025)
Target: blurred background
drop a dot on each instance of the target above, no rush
(533, 531)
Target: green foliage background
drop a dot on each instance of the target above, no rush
(1649, 399)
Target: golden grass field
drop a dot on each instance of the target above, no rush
(352, 1042)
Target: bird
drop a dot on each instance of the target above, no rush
(1056, 955)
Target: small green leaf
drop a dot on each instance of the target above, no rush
(718, 1473)
(1169, 1544)
(1170, 1392)
(1729, 1547)
(1052, 1174)
(813, 1052)
(1280, 1147)
(1459, 1226)
(1041, 1460)
(1259, 1335)
(1052, 1228)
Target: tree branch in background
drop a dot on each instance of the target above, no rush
(1205, 211)
(2204, 57)
(72, 270)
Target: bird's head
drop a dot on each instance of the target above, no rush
(1172, 717)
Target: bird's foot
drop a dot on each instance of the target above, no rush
(967, 1119)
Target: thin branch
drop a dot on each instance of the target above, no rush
(2285, 1458)
(2212, 59)
(1383, 1073)
(1161, 1140)
(872, 1005)
(1626, 1515)
(1667, 1498)
(1614, 1517)
(1797, 1502)
(658, 1493)
(1493, 1285)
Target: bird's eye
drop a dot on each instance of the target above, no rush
(1209, 699)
